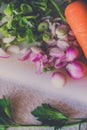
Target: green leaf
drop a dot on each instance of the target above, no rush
(51, 68)
(5, 105)
(49, 115)
(5, 113)
(29, 35)
(4, 30)
(40, 4)
(26, 8)
(2, 127)
(8, 10)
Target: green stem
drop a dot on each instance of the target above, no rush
(68, 124)
(31, 17)
(74, 122)
(83, 120)
(26, 126)
(58, 9)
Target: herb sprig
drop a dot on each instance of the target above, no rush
(48, 115)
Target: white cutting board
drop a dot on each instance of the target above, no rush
(25, 72)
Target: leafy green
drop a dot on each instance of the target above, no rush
(5, 113)
(26, 8)
(51, 68)
(2, 127)
(53, 117)
(49, 115)
(23, 17)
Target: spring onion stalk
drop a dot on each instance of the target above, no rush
(58, 9)
(62, 30)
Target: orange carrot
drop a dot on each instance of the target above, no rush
(76, 16)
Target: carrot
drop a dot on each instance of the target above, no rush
(76, 16)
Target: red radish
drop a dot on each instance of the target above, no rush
(72, 53)
(25, 56)
(58, 79)
(76, 69)
(76, 16)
